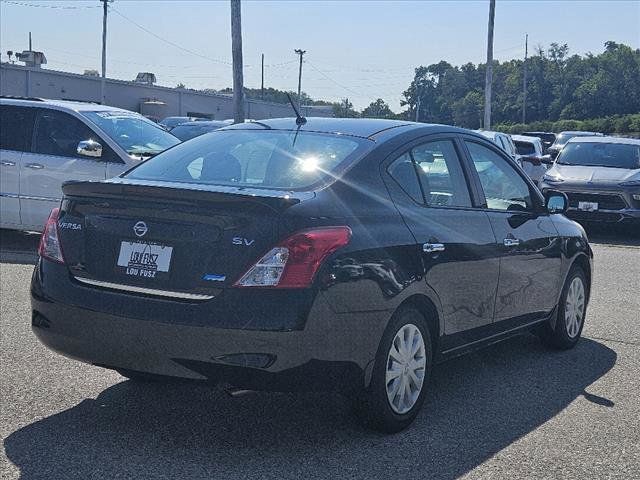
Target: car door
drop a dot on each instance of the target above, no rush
(53, 160)
(429, 186)
(527, 240)
(15, 137)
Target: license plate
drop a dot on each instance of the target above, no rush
(144, 259)
(588, 206)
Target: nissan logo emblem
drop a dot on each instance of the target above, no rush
(140, 229)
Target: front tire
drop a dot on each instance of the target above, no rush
(400, 374)
(571, 312)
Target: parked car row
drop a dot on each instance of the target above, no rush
(47, 142)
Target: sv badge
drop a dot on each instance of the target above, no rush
(242, 241)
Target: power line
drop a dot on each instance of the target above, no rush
(169, 42)
(331, 79)
(60, 7)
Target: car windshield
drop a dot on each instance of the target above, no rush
(592, 154)
(255, 158)
(525, 148)
(134, 133)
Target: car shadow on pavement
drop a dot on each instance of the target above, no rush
(18, 247)
(614, 234)
(476, 406)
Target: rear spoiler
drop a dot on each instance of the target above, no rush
(182, 192)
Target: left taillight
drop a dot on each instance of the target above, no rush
(293, 262)
(50, 241)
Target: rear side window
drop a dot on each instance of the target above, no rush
(255, 158)
(441, 174)
(403, 171)
(525, 148)
(58, 133)
(432, 172)
(16, 128)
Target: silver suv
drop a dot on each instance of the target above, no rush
(44, 143)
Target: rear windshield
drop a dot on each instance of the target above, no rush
(600, 155)
(524, 148)
(255, 158)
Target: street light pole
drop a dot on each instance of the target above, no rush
(301, 53)
(489, 74)
(236, 53)
(103, 80)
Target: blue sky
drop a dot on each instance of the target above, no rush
(356, 49)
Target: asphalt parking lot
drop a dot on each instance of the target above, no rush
(514, 411)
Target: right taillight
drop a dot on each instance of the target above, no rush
(294, 262)
(50, 241)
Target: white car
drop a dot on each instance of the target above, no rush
(528, 150)
(502, 140)
(44, 143)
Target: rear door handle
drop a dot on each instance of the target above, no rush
(511, 242)
(6, 163)
(432, 247)
(35, 166)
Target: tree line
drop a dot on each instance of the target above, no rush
(564, 92)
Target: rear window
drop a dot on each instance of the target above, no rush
(594, 154)
(255, 158)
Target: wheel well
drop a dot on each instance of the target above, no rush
(425, 306)
(582, 262)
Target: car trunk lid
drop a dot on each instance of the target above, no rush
(168, 237)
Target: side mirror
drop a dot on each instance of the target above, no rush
(546, 159)
(557, 202)
(89, 148)
(553, 153)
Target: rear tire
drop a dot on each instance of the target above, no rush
(400, 375)
(571, 312)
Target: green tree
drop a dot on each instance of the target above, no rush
(378, 109)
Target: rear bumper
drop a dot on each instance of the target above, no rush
(331, 351)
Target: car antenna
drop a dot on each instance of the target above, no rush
(300, 120)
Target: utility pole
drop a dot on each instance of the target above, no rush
(262, 79)
(30, 47)
(301, 53)
(236, 53)
(524, 79)
(489, 75)
(104, 51)
(418, 107)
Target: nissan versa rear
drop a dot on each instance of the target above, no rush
(346, 255)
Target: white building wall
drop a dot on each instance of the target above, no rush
(17, 80)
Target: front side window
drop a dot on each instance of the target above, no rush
(441, 174)
(132, 132)
(16, 128)
(503, 188)
(279, 159)
(58, 133)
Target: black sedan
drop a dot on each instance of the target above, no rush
(349, 255)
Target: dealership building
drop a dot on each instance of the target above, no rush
(141, 95)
